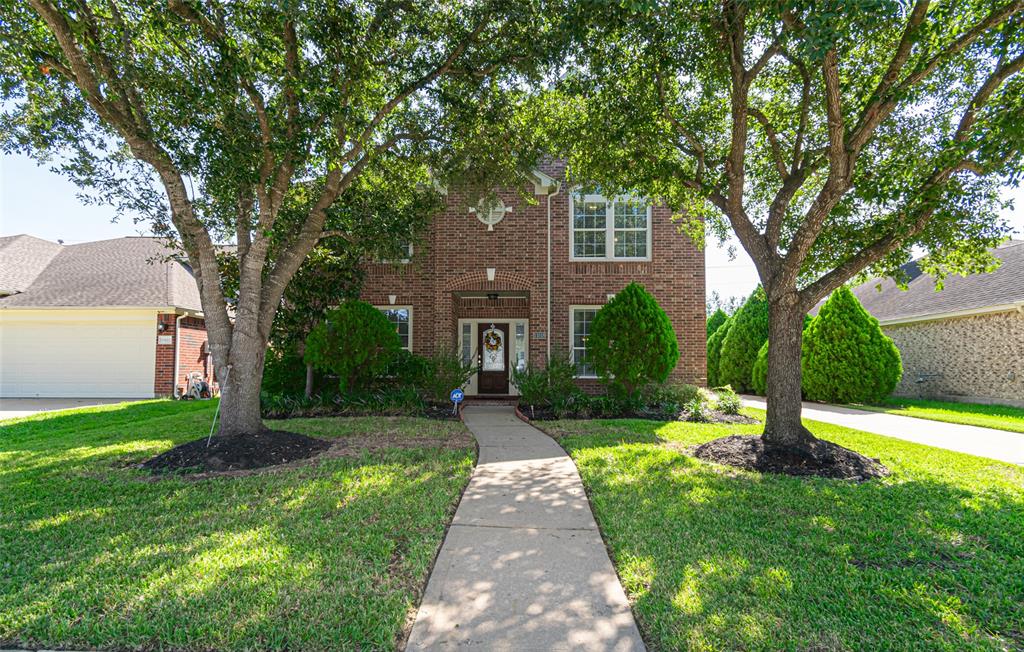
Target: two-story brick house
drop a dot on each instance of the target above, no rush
(515, 282)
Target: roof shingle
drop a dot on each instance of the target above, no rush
(136, 272)
(883, 299)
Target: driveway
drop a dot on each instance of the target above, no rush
(975, 440)
(11, 408)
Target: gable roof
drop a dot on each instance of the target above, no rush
(124, 272)
(998, 290)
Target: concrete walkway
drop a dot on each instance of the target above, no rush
(523, 566)
(983, 442)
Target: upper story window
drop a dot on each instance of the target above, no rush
(610, 229)
(404, 253)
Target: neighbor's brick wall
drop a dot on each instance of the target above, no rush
(458, 249)
(978, 358)
(192, 353)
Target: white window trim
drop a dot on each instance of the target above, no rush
(411, 319)
(609, 243)
(572, 334)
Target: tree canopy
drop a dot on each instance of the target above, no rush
(830, 138)
(250, 122)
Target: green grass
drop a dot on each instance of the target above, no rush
(714, 558)
(94, 553)
(1001, 417)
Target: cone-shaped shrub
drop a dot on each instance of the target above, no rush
(846, 358)
(716, 320)
(631, 341)
(356, 342)
(739, 348)
(715, 351)
(759, 375)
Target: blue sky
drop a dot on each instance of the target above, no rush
(36, 201)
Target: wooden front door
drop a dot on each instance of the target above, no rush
(493, 359)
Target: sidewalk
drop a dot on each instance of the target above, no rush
(523, 566)
(983, 442)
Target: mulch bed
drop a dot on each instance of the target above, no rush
(819, 458)
(351, 447)
(267, 448)
(547, 414)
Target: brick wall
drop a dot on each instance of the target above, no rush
(192, 354)
(454, 255)
(978, 358)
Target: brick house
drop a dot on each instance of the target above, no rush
(965, 342)
(109, 319)
(512, 282)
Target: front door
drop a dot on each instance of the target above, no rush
(493, 348)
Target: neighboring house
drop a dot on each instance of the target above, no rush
(112, 319)
(965, 342)
(512, 282)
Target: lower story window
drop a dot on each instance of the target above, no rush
(581, 320)
(402, 320)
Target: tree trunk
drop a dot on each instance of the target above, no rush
(240, 388)
(309, 381)
(783, 427)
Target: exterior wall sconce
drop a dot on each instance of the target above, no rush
(161, 327)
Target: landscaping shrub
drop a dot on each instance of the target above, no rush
(715, 321)
(846, 358)
(697, 410)
(715, 351)
(728, 401)
(748, 333)
(631, 341)
(553, 385)
(355, 342)
(443, 371)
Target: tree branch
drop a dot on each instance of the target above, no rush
(773, 141)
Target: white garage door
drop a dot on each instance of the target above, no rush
(88, 354)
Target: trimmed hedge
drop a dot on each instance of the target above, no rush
(355, 342)
(631, 341)
(759, 374)
(715, 321)
(715, 351)
(740, 347)
(846, 357)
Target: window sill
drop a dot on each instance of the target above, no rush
(575, 259)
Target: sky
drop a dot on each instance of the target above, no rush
(36, 201)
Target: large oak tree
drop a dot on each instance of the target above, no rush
(830, 137)
(248, 121)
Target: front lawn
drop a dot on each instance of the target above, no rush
(330, 554)
(1001, 417)
(716, 558)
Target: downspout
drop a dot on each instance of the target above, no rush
(547, 335)
(177, 355)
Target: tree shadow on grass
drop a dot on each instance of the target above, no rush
(716, 557)
(322, 557)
